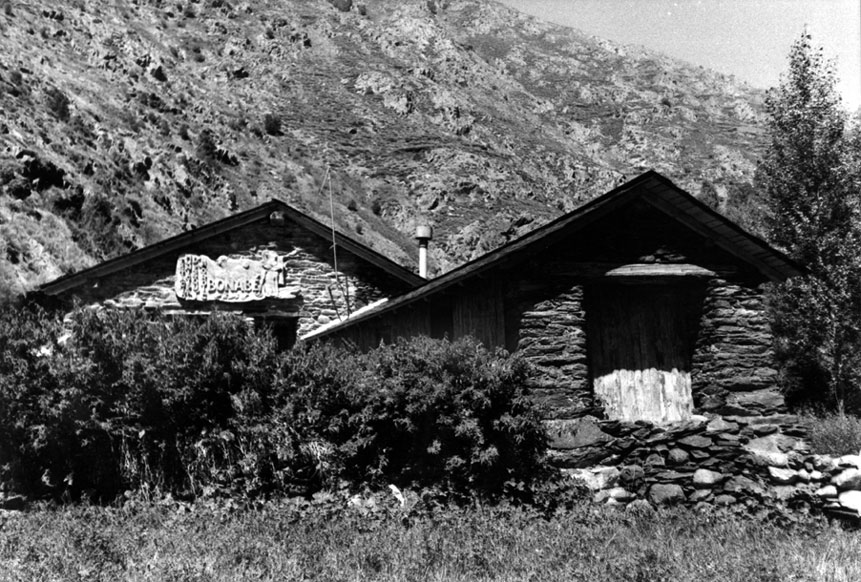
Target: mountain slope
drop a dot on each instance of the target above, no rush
(127, 123)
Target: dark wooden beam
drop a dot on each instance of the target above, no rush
(721, 239)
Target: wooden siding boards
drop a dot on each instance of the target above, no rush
(478, 311)
(530, 296)
(414, 320)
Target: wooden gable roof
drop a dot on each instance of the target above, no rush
(650, 187)
(219, 227)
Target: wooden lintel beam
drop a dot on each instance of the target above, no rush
(594, 269)
(660, 270)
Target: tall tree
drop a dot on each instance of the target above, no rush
(809, 180)
(807, 193)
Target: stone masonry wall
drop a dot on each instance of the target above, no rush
(760, 462)
(315, 306)
(552, 337)
(733, 362)
(307, 266)
(732, 365)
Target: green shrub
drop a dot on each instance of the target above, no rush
(206, 148)
(131, 400)
(115, 400)
(835, 434)
(27, 386)
(98, 227)
(428, 413)
(376, 206)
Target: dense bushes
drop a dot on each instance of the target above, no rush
(116, 400)
(427, 413)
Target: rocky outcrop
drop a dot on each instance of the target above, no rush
(145, 120)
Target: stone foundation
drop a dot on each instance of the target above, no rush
(751, 461)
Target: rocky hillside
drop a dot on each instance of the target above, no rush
(124, 122)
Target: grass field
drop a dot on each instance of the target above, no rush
(287, 541)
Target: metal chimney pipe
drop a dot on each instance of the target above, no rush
(424, 234)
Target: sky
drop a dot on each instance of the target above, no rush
(746, 38)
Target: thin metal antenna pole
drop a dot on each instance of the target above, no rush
(345, 289)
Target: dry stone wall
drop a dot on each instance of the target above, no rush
(732, 371)
(759, 462)
(552, 337)
(734, 352)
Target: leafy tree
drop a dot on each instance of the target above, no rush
(809, 180)
(809, 195)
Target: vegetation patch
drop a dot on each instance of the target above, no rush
(327, 540)
(835, 434)
(114, 401)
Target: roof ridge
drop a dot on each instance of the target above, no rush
(220, 226)
(591, 210)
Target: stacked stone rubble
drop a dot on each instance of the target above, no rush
(734, 351)
(552, 338)
(756, 461)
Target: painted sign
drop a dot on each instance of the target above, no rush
(235, 280)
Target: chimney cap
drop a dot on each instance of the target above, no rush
(276, 218)
(424, 232)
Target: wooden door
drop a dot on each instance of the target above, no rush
(640, 342)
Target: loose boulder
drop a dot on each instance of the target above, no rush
(850, 500)
(704, 478)
(847, 479)
(666, 493)
(782, 476)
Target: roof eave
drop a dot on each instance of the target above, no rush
(593, 209)
(172, 244)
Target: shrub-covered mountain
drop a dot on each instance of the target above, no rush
(124, 122)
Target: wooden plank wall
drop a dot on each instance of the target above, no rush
(410, 321)
(479, 311)
(641, 341)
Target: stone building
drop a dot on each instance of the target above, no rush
(643, 304)
(272, 263)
